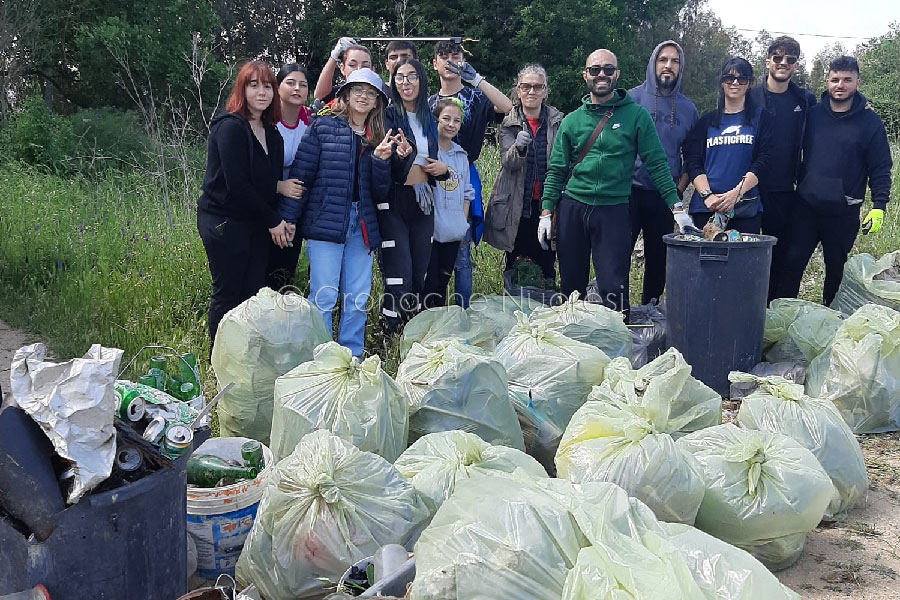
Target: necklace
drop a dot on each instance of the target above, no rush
(358, 131)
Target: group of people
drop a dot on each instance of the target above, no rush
(388, 170)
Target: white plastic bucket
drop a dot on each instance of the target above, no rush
(220, 518)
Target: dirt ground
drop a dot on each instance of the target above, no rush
(858, 558)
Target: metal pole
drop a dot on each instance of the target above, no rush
(457, 40)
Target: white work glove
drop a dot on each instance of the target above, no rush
(683, 220)
(543, 232)
(523, 138)
(465, 71)
(341, 47)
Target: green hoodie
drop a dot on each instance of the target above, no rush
(604, 176)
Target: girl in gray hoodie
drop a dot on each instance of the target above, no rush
(451, 202)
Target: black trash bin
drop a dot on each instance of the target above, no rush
(125, 544)
(716, 304)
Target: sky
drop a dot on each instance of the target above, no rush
(858, 20)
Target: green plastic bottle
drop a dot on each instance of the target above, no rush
(205, 470)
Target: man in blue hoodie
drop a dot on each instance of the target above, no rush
(674, 116)
(844, 148)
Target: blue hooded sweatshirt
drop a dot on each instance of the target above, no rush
(673, 114)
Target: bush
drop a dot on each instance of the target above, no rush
(39, 138)
(108, 137)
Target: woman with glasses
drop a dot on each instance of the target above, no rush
(293, 93)
(526, 138)
(344, 164)
(725, 153)
(406, 219)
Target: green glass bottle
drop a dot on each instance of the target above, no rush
(252, 453)
(205, 470)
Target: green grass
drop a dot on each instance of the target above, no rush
(93, 261)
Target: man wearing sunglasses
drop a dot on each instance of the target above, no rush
(674, 116)
(844, 148)
(590, 195)
(788, 105)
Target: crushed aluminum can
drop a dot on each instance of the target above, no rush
(178, 439)
(128, 459)
(155, 429)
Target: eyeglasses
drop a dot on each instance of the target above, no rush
(608, 70)
(408, 78)
(738, 79)
(527, 88)
(788, 58)
(358, 90)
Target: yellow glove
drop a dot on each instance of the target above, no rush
(873, 221)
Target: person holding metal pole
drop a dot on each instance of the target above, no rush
(346, 56)
(483, 103)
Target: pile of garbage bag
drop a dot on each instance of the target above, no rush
(448, 323)
(554, 371)
(792, 371)
(357, 402)
(797, 330)
(592, 324)
(782, 407)
(325, 507)
(500, 311)
(437, 461)
(860, 370)
(540, 539)
(450, 385)
(764, 491)
(869, 281)
(259, 340)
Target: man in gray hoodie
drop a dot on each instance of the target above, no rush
(674, 117)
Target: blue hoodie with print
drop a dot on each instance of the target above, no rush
(673, 114)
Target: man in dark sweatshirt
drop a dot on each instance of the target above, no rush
(788, 104)
(591, 197)
(674, 116)
(845, 146)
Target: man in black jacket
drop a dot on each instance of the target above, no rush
(788, 105)
(845, 147)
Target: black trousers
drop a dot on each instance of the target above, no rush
(282, 265)
(778, 221)
(528, 246)
(743, 224)
(440, 269)
(836, 232)
(601, 234)
(404, 256)
(650, 214)
(238, 252)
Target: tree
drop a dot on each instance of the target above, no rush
(879, 63)
(820, 63)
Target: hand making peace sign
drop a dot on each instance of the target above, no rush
(384, 149)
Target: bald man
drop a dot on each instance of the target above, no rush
(591, 205)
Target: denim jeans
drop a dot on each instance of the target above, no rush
(462, 282)
(346, 268)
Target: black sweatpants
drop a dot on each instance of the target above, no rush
(742, 224)
(601, 233)
(282, 265)
(836, 232)
(238, 252)
(440, 269)
(528, 246)
(650, 214)
(404, 256)
(778, 221)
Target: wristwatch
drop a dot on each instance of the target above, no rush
(704, 194)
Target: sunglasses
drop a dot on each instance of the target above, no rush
(608, 70)
(788, 58)
(408, 78)
(532, 87)
(738, 79)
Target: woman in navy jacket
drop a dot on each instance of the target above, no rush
(344, 164)
(239, 201)
(726, 151)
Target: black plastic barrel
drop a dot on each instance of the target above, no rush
(125, 544)
(716, 304)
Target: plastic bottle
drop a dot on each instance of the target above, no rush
(205, 470)
(388, 559)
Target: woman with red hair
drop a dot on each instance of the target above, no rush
(237, 213)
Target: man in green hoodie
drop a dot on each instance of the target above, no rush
(591, 197)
